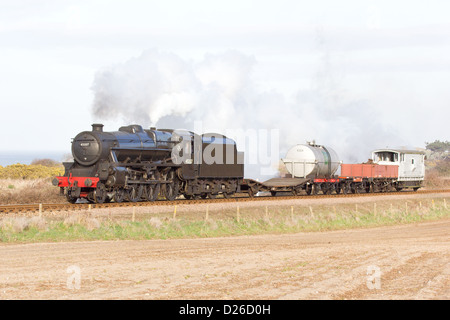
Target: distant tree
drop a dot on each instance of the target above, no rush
(438, 146)
(45, 162)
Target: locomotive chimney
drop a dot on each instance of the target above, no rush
(97, 127)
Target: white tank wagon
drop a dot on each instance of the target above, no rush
(311, 167)
(311, 161)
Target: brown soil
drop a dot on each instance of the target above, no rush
(413, 263)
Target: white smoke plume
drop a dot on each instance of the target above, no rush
(160, 85)
(163, 90)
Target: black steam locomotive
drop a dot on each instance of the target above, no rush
(134, 164)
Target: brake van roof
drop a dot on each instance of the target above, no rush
(400, 151)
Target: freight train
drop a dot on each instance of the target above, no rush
(133, 164)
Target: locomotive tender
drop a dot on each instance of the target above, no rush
(134, 164)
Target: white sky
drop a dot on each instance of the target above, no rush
(393, 54)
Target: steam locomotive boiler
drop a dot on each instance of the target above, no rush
(134, 164)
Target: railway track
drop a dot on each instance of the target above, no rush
(59, 207)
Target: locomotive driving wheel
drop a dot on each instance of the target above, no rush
(170, 187)
(134, 193)
(151, 191)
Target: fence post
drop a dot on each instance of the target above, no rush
(40, 210)
(133, 217)
(175, 212)
(207, 212)
(237, 214)
(311, 211)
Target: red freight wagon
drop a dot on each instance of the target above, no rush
(369, 171)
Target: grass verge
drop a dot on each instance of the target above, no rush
(86, 226)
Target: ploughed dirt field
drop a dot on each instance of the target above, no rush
(394, 262)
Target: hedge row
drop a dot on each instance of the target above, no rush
(25, 171)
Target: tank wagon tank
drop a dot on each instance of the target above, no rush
(311, 161)
(134, 164)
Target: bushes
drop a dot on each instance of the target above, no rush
(28, 191)
(33, 171)
(22, 183)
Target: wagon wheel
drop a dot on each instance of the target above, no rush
(227, 195)
(308, 189)
(100, 193)
(225, 190)
(337, 188)
(346, 188)
(134, 193)
(296, 191)
(315, 189)
(119, 195)
(326, 189)
(375, 188)
(212, 195)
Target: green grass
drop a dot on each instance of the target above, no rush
(250, 221)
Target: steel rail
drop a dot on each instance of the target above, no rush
(55, 207)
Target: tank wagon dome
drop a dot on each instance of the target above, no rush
(311, 160)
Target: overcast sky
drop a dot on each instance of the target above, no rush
(392, 57)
